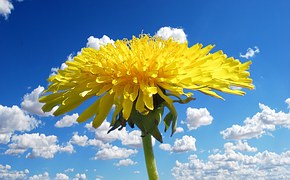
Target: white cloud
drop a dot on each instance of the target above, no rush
(85, 141)
(175, 33)
(114, 152)
(69, 170)
(67, 121)
(239, 146)
(132, 139)
(98, 177)
(97, 143)
(5, 138)
(288, 102)
(44, 176)
(136, 172)
(250, 53)
(235, 165)
(79, 140)
(185, 144)
(125, 162)
(179, 130)
(14, 119)
(32, 105)
(80, 177)
(165, 147)
(61, 176)
(41, 145)
(96, 43)
(7, 173)
(197, 117)
(235, 87)
(5, 8)
(259, 124)
(101, 132)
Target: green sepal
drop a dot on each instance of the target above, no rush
(172, 119)
(119, 122)
(173, 125)
(167, 121)
(184, 101)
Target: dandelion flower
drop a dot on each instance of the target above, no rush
(141, 75)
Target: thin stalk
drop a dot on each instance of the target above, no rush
(149, 158)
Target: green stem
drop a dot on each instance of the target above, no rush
(149, 158)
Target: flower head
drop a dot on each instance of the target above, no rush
(141, 76)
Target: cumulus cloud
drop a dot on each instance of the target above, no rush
(96, 43)
(197, 117)
(61, 176)
(185, 144)
(6, 172)
(114, 152)
(250, 53)
(259, 124)
(40, 145)
(85, 141)
(175, 33)
(165, 147)
(67, 121)
(80, 177)
(69, 170)
(106, 151)
(101, 132)
(98, 177)
(5, 8)
(179, 130)
(79, 140)
(132, 139)
(125, 162)
(232, 164)
(31, 104)
(44, 176)
(239, 146)
(287, 101)
(14, 119)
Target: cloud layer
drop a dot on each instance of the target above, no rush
(258, 125)
(40, 145)
(14, 119)
(234, 163)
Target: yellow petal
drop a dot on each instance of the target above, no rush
(106, 103)
(127, 108)
(89, 112)
(70, 103)
(140, 106)
(148, 101)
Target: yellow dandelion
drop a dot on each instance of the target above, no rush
(140, 77)
(134, 74)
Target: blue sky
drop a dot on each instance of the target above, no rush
(241, 137)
